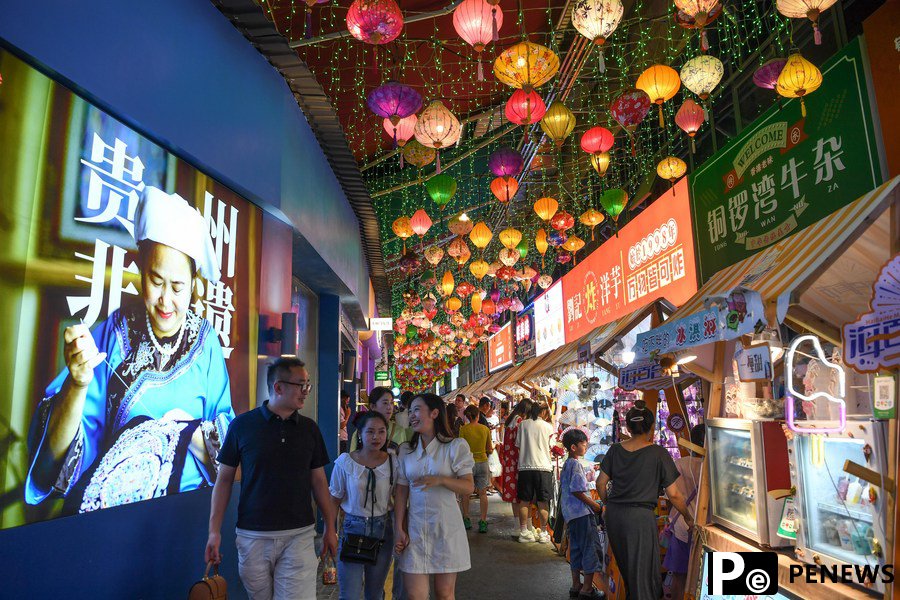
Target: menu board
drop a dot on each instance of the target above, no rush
(500, 349)
(524, 335)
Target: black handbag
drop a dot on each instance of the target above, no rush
(364, 549)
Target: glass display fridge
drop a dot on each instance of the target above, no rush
(748, 460)
(842, 517)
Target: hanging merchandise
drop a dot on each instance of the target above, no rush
(526, 65)
(766, 76)
(798, 78)
(504, 188)
(592, 218)
(671, 168)
(697, 14)
(441, 188)
(437, 128)
(805, 9)
(420, 222)
(558, 122)
(629, 109)
(690, 118)
(597, 20)
(374, 21)
(417, 154)
(661, 83)
(546, 207)
(478, 23)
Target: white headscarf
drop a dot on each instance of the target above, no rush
(168, 219)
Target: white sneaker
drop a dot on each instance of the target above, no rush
(543, 538)
(525, 536)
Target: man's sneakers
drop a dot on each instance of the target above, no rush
(543, 538)
(482, 526)
(467, 523)
(525, 536)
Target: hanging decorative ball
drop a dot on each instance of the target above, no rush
(447, 283)
(509, 256)
(374, 21)
(394, 101)
(690, 118)
(402, 131)
(671, 168)
(504, 188)
(766, 76)
(505, 162)
(481, 235)
(697, 14)
(461, 225)
(479, 268)
(805, 9)
(434, 254)
(475, 302)
(525, 108)
(417, 154)
(629, 109)
(459, 251)
(526, 65)
(409, 263)
(545, 281)
(510, 237)
(453, 304)
(600, 162)
(562, 221)
(661, 83)
(798, 78)
(591, 218)
(402, 229)
(420, 222)
(478, 23)
(597, 20)
(702, 74)
(437, 128)
(614, 202)
(441, 188)
(464, 288)
(546, 207)
(557, 238)
(558, 123)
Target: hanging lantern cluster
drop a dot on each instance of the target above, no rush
(478, 23)
(437, 128)
(661, 83)
(374, 21)
(597, 20)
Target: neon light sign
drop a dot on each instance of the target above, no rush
(793, 393)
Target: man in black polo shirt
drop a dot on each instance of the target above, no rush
(484, 409)
(282, 456)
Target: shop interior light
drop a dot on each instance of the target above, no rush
(628, 357)
(464, 217)
(683, 357)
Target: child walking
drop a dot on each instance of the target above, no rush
(580, 513)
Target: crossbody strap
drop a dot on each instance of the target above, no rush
(688, 503)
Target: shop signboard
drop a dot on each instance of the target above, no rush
(479, 363)
(524, 335)
(381, 324)
(652, 257)
(643, 375)
(786, 172)
(754, 363)
(382, 376)
(174, 322)
(549, 325)
(584, 352)
(500, 349)
(872, 342)
(727, 319)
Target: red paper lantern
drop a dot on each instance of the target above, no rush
(596, 140)
(402, 131)
(562, 221)
(478, 23)
(525, 108)
(374, 21)
(690, 118)
(504, 188)
(420, 222)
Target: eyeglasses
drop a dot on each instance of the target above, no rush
(303, 386)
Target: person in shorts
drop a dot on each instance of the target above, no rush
(479, 439)
(535, 483)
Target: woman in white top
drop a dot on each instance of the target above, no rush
(535, 484)
(361, 484)
(434, 469)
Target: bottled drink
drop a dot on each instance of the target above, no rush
(329, 572)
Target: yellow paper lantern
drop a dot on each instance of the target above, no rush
(558, 122)
(600, 162)
(434, 254)
(526, 65)
(798, 78)
(476, 303)
(540, 242)
(437, 128)
(447, 283)
(453, 304)
(480, 235)
(592, 218)
(671, 168)
(479, 269)
(510, 237)
(661, 83)
(546, 207)
(403, 230)
(573, 244)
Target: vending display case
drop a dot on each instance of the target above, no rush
(842, 518)
(748, 459)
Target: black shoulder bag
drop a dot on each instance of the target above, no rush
(363, 549)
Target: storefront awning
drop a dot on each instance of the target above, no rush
(774, 274)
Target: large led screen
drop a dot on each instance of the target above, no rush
(128, 305)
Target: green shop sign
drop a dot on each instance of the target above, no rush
(784, 172)
(382, 376)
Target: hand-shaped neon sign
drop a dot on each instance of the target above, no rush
(792, 393)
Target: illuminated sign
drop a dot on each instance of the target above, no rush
(549, 326)
(500, 349)
(794, 393)
(652, 257)
(524, 336)
(381, 324)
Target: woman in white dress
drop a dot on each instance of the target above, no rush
(434, 469)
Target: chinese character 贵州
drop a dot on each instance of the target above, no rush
(114, 177)
(828, 160)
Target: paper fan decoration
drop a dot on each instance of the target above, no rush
(569, 381)
(567, 398)
(595, 452)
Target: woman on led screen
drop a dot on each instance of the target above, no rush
(145, 400)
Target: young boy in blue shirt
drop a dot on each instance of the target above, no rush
(579, 510)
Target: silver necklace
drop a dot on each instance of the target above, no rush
(166, 351)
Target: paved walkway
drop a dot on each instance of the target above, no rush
(502, 568)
